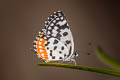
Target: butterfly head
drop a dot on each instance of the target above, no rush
(41, 34)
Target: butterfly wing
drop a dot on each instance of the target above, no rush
(57, 27)
(56, 50)
(49, 48)
(55, 41)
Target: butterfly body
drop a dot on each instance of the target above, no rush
(55, 41)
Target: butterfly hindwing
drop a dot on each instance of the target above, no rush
(56, 50)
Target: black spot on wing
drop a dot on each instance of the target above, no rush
(53, 57)
(62, 48)
(65, 44)
(50, 54)
(60, 57)
(47, 43)
(62, 26)
(51, 51)
(55, 47)
(47, 48)
(65, 55)
(58, 36)
(68, 42)
(58, 30)
(65, 33)
(60, 52)
(55, 41)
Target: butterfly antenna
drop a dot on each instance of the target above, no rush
(77, 51)
(88, 53)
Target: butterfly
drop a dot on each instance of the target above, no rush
(55, 41)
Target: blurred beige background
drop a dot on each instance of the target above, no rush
(91, 21)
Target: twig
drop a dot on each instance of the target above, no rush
(92, 69)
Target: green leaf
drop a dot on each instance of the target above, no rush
(101, 54)
(92, 69)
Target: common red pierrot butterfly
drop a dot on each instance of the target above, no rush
(55, 41)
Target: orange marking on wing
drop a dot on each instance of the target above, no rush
(43, 48)
(41, 33)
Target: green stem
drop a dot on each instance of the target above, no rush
(92, 69)
(102, 55)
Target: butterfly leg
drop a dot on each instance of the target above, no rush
(74, 61)
(46, 61)
(75, 54)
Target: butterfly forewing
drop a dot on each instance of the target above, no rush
(59, 28)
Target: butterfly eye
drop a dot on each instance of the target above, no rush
(41, 33)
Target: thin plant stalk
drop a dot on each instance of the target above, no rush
(77, 67)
